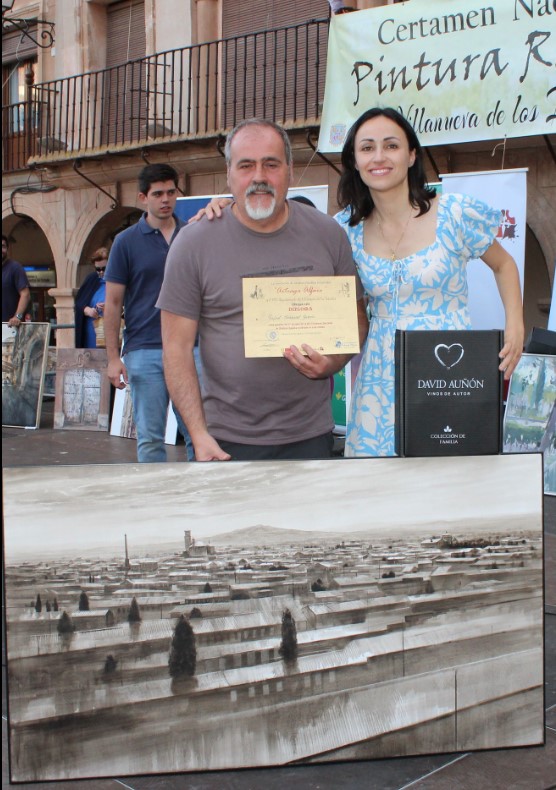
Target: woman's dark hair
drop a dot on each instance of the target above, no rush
(355, 195)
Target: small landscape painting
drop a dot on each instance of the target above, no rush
(24, 359)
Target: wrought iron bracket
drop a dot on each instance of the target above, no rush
(30, 189)
(221, 144)
(77, 165)
(25, 25)
(313, 132)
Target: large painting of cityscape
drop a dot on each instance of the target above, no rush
(184, 617)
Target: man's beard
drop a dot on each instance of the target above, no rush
(260, 212)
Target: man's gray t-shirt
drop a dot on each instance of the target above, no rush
(252, 401)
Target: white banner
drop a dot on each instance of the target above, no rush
(458, 71)
(506, 190)
(552, 314)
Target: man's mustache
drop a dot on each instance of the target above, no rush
(260, 186)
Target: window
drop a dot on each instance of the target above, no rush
(15, 94)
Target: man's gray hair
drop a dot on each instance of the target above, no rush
(258, 122)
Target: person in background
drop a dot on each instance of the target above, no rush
(16, 291)
(337, 7)
(133, 279)
(253, 408)
(89, 301)
(411, 248)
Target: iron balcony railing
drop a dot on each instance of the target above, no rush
(196, 91)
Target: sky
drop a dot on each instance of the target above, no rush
(78, 507)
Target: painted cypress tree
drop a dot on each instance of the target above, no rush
(134, 615)
(207, 588)
(110, 664)
(38, 603)
(48, 607)
(65, 624)
(288, 646)
(541, 379)
(182, 658)
(55, 605)
(83, 602)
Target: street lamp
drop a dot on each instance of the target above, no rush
(25, 26)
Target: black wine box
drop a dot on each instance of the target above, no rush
(449, 392)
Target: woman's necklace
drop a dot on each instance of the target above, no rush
(393, 250)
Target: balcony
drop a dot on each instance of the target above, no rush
(184, 94)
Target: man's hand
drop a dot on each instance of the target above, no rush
(208, 449)
(14, 321)
(117, 374)
(311, 364)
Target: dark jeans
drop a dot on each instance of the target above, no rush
(308, 449)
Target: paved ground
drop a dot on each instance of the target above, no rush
(506, 769)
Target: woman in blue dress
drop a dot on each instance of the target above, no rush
(411, 248)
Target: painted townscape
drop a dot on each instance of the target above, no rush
(24, 355)
(185, 617)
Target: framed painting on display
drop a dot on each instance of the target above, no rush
(82, 399)
(215, 617)
(530, 414)
(24, 359)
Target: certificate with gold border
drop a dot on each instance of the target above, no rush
(279, 312)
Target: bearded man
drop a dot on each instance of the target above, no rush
(252, 408)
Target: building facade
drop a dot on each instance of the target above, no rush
(95, 89)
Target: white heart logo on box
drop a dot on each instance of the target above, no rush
(449, 356)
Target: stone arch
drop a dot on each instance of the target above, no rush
(30, 206)
(540, 218)
(95, 214)
(88, 234)
(78, 241)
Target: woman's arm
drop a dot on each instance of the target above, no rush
(507, 279)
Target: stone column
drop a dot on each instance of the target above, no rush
(64, 302)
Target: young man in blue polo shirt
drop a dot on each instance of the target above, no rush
(133, 280)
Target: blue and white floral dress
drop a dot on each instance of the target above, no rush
(426, 290)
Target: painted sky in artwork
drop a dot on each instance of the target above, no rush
(77, 507)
